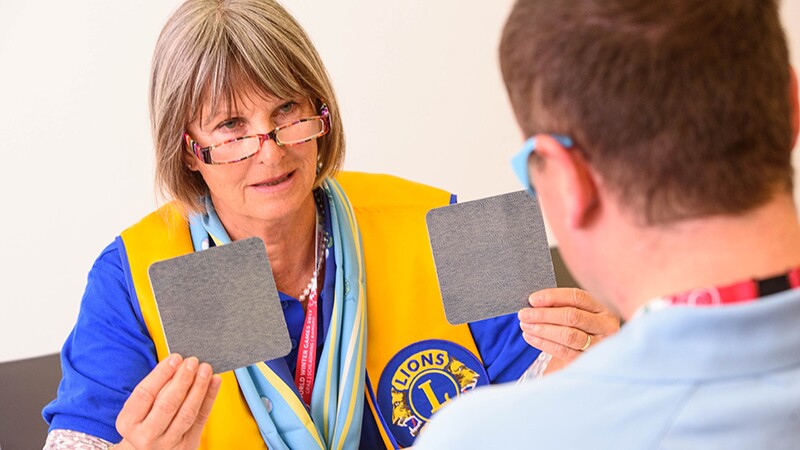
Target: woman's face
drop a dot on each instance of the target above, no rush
(272, 185)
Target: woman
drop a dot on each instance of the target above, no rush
(248, 138)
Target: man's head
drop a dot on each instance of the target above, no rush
(680, 108)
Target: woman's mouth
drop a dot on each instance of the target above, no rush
(276, 184)
(275, 181)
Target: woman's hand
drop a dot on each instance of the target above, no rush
(564, 322)
(169, 407)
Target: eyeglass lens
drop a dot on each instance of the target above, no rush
(290, 135)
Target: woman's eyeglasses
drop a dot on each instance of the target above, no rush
(241, 148)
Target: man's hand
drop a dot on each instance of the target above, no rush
(564, 322)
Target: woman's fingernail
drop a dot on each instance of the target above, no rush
(205, 371)
(191, 363)
(174, 359)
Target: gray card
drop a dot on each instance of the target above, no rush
(221, 305)
(490, 255)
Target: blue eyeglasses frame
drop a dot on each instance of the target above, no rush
(520, 161)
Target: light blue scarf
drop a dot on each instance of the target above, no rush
(337, 402)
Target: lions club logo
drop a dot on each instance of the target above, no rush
(420, 379)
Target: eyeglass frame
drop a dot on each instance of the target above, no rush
(204, 153)
(519, 162)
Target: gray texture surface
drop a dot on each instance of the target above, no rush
(221, 305)
(490, 255)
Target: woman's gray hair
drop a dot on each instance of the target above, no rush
(208, 49)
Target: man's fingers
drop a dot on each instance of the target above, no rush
(569, 317)
(555, 297)
(564, 322)
(141, 400)
(558, 351)
(572, 338)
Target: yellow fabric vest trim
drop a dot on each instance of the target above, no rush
(403, 301)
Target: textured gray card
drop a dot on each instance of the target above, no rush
(490, 255)
(221, 305)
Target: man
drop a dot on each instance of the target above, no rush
(661, 142)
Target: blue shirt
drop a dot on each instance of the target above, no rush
(109, 350)
(682, 378)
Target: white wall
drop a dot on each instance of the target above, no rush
(418, 82)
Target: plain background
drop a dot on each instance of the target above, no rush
(418, 82)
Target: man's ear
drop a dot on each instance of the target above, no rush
(575, 180)
(794, 101)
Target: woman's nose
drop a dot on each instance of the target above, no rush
(270, 152)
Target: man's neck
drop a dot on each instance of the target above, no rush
(711, 251)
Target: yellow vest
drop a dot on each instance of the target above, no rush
(403, 300)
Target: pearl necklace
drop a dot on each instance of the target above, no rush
(319, 259)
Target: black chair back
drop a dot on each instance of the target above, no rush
(25, 387)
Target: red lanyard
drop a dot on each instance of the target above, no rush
(742, 292)
(307, 354)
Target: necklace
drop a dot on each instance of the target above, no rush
(319, 256)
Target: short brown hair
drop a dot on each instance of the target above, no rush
(208, 49)
(681, 106)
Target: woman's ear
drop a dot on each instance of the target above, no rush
(574, 178)
(190, 160)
